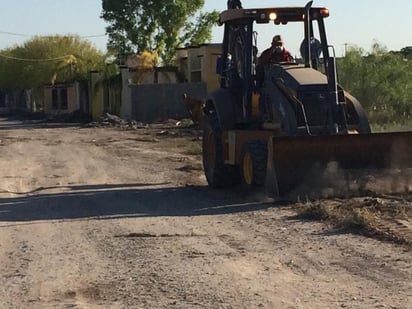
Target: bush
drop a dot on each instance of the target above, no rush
(381, 81)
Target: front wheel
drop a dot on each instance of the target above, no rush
(253, 160)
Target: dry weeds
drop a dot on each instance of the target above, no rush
(387, 217)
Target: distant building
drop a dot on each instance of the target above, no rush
(198, 64)
(62, 98)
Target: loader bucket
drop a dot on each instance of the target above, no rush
(296, 160)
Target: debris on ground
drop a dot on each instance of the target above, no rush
(110, 120)
(168, 127)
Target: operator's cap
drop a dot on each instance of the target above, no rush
(277, 39)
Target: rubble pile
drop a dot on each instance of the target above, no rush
(109, 120)
(169, 127)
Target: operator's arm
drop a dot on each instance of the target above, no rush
(265, 57)
(289, 57)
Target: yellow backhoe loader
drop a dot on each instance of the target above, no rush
(278, 127)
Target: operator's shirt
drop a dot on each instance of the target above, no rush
(268, 56)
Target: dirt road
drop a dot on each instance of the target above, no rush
(111, 218)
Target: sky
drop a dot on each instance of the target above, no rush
(351, 23)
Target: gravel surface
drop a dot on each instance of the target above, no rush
(104, 217)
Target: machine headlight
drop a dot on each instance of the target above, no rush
(273, 16)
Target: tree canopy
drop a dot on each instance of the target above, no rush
(47, 60)
(156, 25)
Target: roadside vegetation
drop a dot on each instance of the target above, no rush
(46, 60)
(382, 82)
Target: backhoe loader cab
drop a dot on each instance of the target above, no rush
(239, 71)
(271, 125)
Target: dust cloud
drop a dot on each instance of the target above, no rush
(333, 181)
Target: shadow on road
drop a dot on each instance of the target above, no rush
(15, 124)
(126, 200)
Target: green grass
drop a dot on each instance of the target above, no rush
(394, 126)
(190, 146)
(193, 148)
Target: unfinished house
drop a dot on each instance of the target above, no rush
(65, 98)
(198, 64)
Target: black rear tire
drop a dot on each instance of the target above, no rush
(218, 174)
(356, 114)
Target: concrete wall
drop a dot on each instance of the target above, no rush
(96, 95)
(158, 102)
(126, 106)
(153, 94)
(132, 78)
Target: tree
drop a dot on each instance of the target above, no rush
(47, 60)
(407, 52)
(156, 25)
